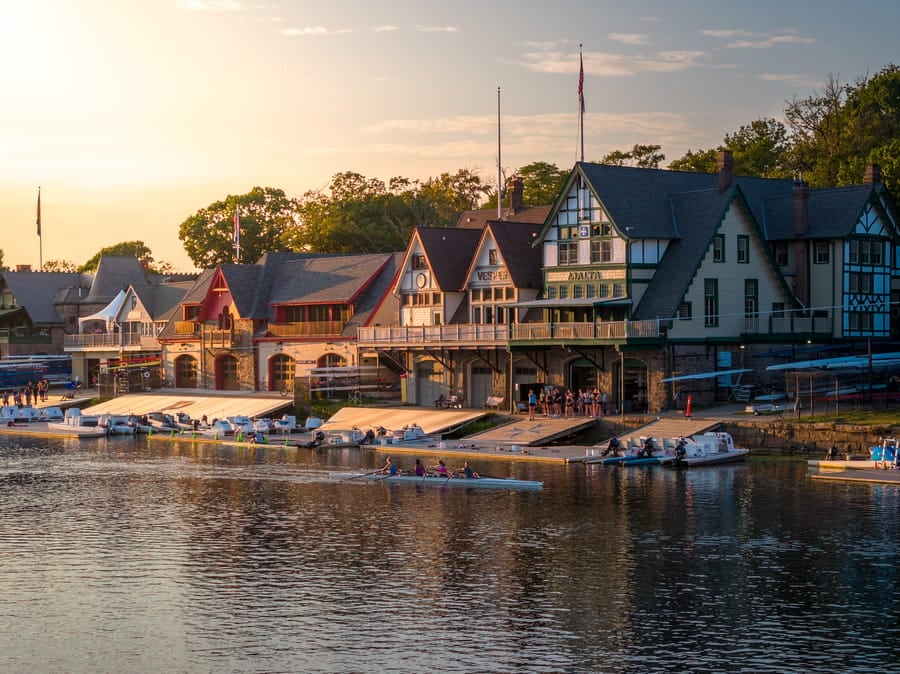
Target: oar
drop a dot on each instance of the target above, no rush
(363, 475)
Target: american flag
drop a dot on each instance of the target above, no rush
(581, 81)
(237, 227)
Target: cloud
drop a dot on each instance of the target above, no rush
(437, 29)
(742, 39)
(628, 38)
(605, 64)
(209, 5)
(792, 78)
(385, 29)
(317, 31)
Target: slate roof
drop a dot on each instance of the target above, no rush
(327, 280)
(371, 296)
(449, 252)
(161, 300)
(39, 291)
(114, 274)
(832, 213)
(515, 243)
(698, 215)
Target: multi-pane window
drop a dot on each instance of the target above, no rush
(418, 261)
(860, 283)
(684, 311)
(866, 252)
(743, 249)
(821, 256)
(751, 297)
(711, 303)
(777, 309)
(719, 248)
(483, 309)
(568, 252)
(601, 250)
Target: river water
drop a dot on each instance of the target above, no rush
(120, 555)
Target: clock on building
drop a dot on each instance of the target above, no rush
(421, 280)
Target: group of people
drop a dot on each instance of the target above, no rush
(571, 403)
(437, 470)
(31, 392)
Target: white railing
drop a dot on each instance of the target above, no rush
(610, 330)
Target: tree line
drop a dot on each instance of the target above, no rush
(827, 140)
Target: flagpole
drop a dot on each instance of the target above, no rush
(581, 97)
(40, 238)
(237, 235)
(499, 165)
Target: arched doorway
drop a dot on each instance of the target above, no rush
(281, 372)
(186, 371)
(228, 373)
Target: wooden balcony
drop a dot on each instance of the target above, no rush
(306, 329)
(187, 329)
(458, 335)
(108, 341)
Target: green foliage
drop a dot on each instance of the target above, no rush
(61, 265)
(266, 218)
(701, 161)
(2, 266)
(124, 249)
(365, 215)
(642, 156)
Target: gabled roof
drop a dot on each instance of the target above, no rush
(832, 213)
(448, 252)
(698, 215)
(114, 274)
(368, 301)
(161, 300)
(243, 282)
(39, 291)
(327, 280)
(514, 241)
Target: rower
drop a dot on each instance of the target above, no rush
(466, 471)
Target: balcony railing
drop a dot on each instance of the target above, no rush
(789, 325)
(306, 329)
(462, 334)
(106, 340)
(186, 328)
(570, 332)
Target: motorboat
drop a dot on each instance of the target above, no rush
(51, 414)
(78, 424)
(18, 415)
(704, 450)
(117, 424)
(437, 481)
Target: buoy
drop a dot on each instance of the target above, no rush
(687, 409)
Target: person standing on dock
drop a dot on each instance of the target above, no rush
(532, 404)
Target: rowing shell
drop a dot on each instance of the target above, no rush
(486, 482)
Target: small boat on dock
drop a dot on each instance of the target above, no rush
(438, 481)
(705, 450)
(78, 424)
(887, 454)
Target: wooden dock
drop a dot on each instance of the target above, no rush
(856, 475)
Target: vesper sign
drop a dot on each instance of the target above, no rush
(496, 275)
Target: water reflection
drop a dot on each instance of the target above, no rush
(134, 556)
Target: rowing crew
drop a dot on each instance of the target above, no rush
(437, 470)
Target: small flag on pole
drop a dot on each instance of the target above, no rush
(237, 235)
(39, 212)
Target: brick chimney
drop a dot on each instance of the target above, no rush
(800, 192)
(725, 164)
(872, 174)
(516, 189)
(23, 267)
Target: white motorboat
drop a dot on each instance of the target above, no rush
(51, 414)
(78, 424)
(704, 450)
(18, 415)
(117, 424)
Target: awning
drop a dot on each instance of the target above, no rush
(571, 302)
(107, 314)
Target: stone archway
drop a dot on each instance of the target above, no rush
(281, 372)
(228, 373)
(186, 372)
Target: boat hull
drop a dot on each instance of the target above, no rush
(77, 431)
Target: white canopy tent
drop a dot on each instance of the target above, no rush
(107, 315)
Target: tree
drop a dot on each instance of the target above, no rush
(642, 156)
(541, 182)
(701, 161)
(266, 218)
(761, 149)
(2, 266)
(61, 265)
(135, 249)
(365, 215)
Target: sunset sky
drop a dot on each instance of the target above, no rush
(134, 114)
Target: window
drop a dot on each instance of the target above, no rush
(551, 293)
(418, 261)
(877, 253)
(684, 311)
(493, 258)
(591, 290)
(563, 292)
(601, 229)
(777, 309)
(618, 290)
(751, 297)
(601, 250)
(743, 249)
(476, 315)
(568, 253)
(711, 303)
(578, 292)
(822, 256)
(719, 248)
(781, 254)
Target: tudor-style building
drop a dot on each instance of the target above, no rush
(647, 275)
(265, 326)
